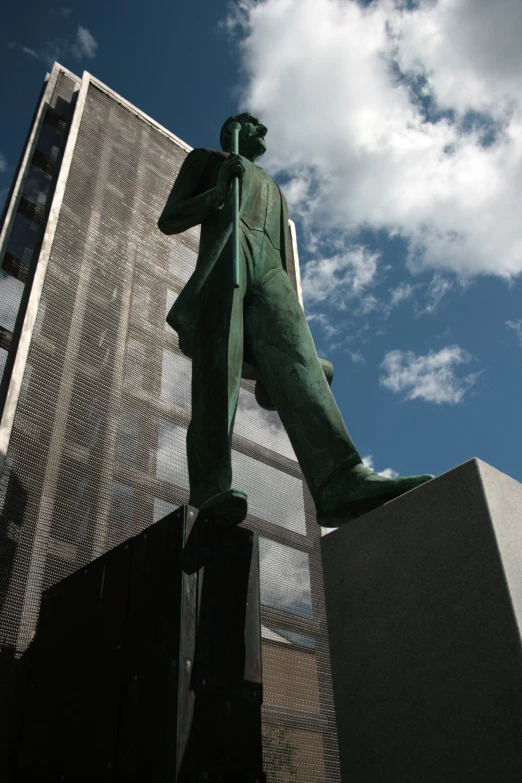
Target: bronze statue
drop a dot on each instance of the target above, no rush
(257, 330)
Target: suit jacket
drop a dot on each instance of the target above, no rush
(191, 202)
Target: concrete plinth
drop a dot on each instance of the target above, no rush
(424, 606)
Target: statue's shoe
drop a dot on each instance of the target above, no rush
(228, 508)
(365, 491)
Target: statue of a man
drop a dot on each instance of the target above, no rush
(258, 330)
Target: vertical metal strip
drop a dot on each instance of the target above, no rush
(35, 572)
(13, 392)
(120, 341)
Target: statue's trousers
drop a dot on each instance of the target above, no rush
(264, 320)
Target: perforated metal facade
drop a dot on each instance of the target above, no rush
(96, 435)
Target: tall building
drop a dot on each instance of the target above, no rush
(95, 399)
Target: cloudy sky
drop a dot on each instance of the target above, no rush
(395, 129)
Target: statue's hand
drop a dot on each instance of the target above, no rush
(232, 167)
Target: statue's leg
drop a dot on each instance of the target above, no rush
(282, 347)
(216, 377)
(278, 337)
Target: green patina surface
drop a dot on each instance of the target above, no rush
(256, 330)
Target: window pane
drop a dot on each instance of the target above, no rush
(127, 441)
(285, 578)
(120, 514)
(11, 291)
(261, 426)
(37, 185)
(83, 509)
(134, 364)
(282, 636)
(171, 298)
(176, 373)
(290, 677)
(171, 461)
(23, 239)
(293, 754)
(182, 260)
(272, 494)
(162, 509)
(3, 359)
(141, 301)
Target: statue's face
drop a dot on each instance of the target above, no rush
(251, 137)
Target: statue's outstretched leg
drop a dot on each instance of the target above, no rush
(279, 339)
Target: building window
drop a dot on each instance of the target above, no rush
(128, 438)
(15, 267)
(3, 359)
(171, 461)
(284, 578)
(11, 291)
(282, 636)
(134, 366)
(161, 509)
(120, 514)
(272, 494)
(36, 186)
(83, 510)
(261, 426)
(176, 374)
(141, 301)
(31, 211)
(53, 119)
(5, 338)
(171, 298)
(182, 260)
(23, 240)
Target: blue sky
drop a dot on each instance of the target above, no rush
(395, 129)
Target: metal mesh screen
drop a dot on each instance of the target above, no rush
(97, 451)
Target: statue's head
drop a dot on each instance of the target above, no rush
(251, 136)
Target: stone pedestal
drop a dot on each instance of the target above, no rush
(424, 606)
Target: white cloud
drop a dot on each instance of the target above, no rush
(357, 357)
(85, 45)
(362, 150)
(388, 472)
(470, 49)
(340, 277)
(30, 52)
(517, 327)
(431, 377)
(3, 163)
(330, 328)
(26, 50)
(435, 292)
(401, 293)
